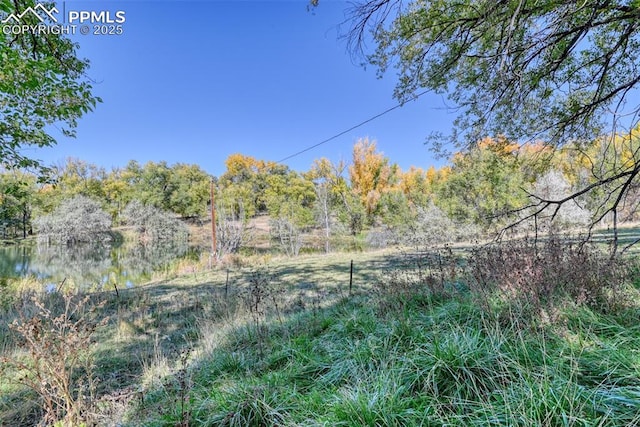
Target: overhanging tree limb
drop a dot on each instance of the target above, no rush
(521, 68)
(43, 83)
(559, 71)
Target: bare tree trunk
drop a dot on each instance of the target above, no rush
(324, 211)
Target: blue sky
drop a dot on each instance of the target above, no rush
(196, 81)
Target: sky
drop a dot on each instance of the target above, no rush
(196, 81)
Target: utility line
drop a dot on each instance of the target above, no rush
(352, 128)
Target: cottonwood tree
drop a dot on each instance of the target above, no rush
(557, 71)
(418, 185)
(485, 183)
(247, 179)
(42, 83)
(77, 177)
(289, 198)
(370, 174)
(191, 190)
(180, 188)
(334, 198)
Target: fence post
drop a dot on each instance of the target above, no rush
(351, 278)
(226, 286)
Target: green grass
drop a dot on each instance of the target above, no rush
(187, 351)
(433, 363)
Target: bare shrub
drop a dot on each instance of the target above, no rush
(544, 276)
(428, 227)
(323, 213)
(436, 273)
(60, 363)
(554, 186)
(433, 227)
(263, 293)
(382, 238)
(231, 229)
(287, 234)
(153, 224)
(78, 219)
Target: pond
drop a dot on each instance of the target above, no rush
(90, 266)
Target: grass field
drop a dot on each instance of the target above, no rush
(286, 342)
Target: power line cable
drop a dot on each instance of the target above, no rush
(352, 128)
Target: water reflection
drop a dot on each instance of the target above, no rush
(91, 265)
(81, 265)
(15, 261)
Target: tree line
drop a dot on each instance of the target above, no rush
(494, 185)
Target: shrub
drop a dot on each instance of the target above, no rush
(382, 237)
(153, 224)
(554, 186)
(58, 339)
(287, 234)
(433, 227)
(434, 273)
(76, 220)
(231, 230)
(545, 275)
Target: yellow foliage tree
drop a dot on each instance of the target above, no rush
(240, 167)
(415, 184)
(370, 174)
(500, 145)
